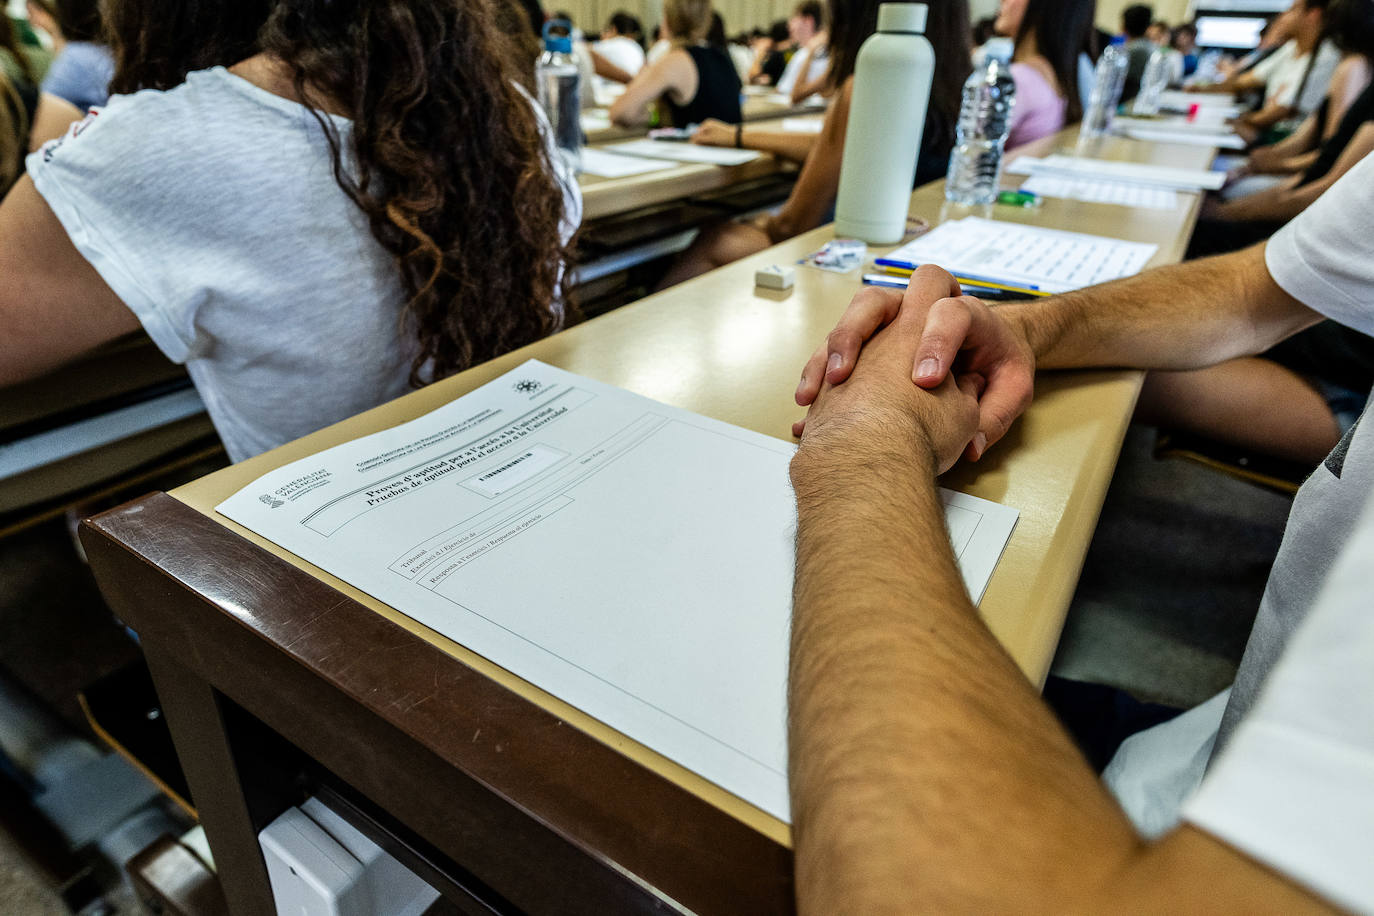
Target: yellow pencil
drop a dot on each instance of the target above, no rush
(969, 281)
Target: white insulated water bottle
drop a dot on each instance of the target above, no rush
(887, 115)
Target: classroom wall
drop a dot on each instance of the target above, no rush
(1174, 12)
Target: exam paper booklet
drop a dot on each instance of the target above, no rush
(1046, 260)
(1105, 169)
(684, 152)
(630, 558)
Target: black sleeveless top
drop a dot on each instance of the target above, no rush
(718, 89)
(1361, 111)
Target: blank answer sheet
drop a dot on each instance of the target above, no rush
(630, 558)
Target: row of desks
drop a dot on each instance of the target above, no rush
(549, 810)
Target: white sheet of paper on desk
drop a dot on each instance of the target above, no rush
(613, 165)
(1101, 192)
(1047, 259)
(684, 152)
(811, 125)
(1220, 102)
(1139, 172)
(631, 558)
(1185, 137)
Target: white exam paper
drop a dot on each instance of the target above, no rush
(684, 152)
(612, 165)
(1139, 172)
(803, 125)
(1101, 192)
(630, 558)
(1050, 260)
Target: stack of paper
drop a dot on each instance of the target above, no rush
(613, 165)
(1106, 169)
(630, 558)
(684, 152)
(1046, 260)
(1180, 130)
(807, 125)
(1125, 193)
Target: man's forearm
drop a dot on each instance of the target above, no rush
(926, 774)
(1181, 317)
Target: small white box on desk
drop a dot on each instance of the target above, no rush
(775, 277)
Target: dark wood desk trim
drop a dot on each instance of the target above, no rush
(543, 814)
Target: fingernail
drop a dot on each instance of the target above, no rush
(927, 368)
(980, 444)
(836, 360)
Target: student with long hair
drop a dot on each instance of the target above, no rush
(373, 205)
(1049, 36)
(813, 196)
(694, 81)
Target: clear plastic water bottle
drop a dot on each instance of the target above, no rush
(1109, 78)
(560, 90)
(1154, 81)
(1207, 66)
(975, 165)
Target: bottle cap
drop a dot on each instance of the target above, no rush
(998, 48)
(558, 36)
(902, 17)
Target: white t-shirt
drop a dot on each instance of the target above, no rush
(815, 63)
(1284, 70)
(1292, 781)
(212, 211)
(623, 52)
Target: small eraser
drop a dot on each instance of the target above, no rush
(775, 277)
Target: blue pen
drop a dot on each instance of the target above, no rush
(908, 265)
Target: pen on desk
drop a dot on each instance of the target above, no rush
(895, 265)
(982, 292)
(985, 285)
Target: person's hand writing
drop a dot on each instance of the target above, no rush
(877, 409)
(714, 133)
(958, 333)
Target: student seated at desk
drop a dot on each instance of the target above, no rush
(620, 46)
(813, 197)
(338, 232)
(1226, 225)
(1350, 25)
(1049, 34)
(926, 774)
(694, 81)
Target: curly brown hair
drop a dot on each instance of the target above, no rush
(445, 157)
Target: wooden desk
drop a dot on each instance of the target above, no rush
(498, 792)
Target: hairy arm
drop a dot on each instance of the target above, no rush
(53, 304)
(1185, 316)
(926, 774)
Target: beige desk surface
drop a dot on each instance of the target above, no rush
(717, 346)
(603, 197)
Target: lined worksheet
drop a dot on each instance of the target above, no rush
(1047, 260)
(631, 558)
(1104, 169)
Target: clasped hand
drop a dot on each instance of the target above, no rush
(973, 370)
